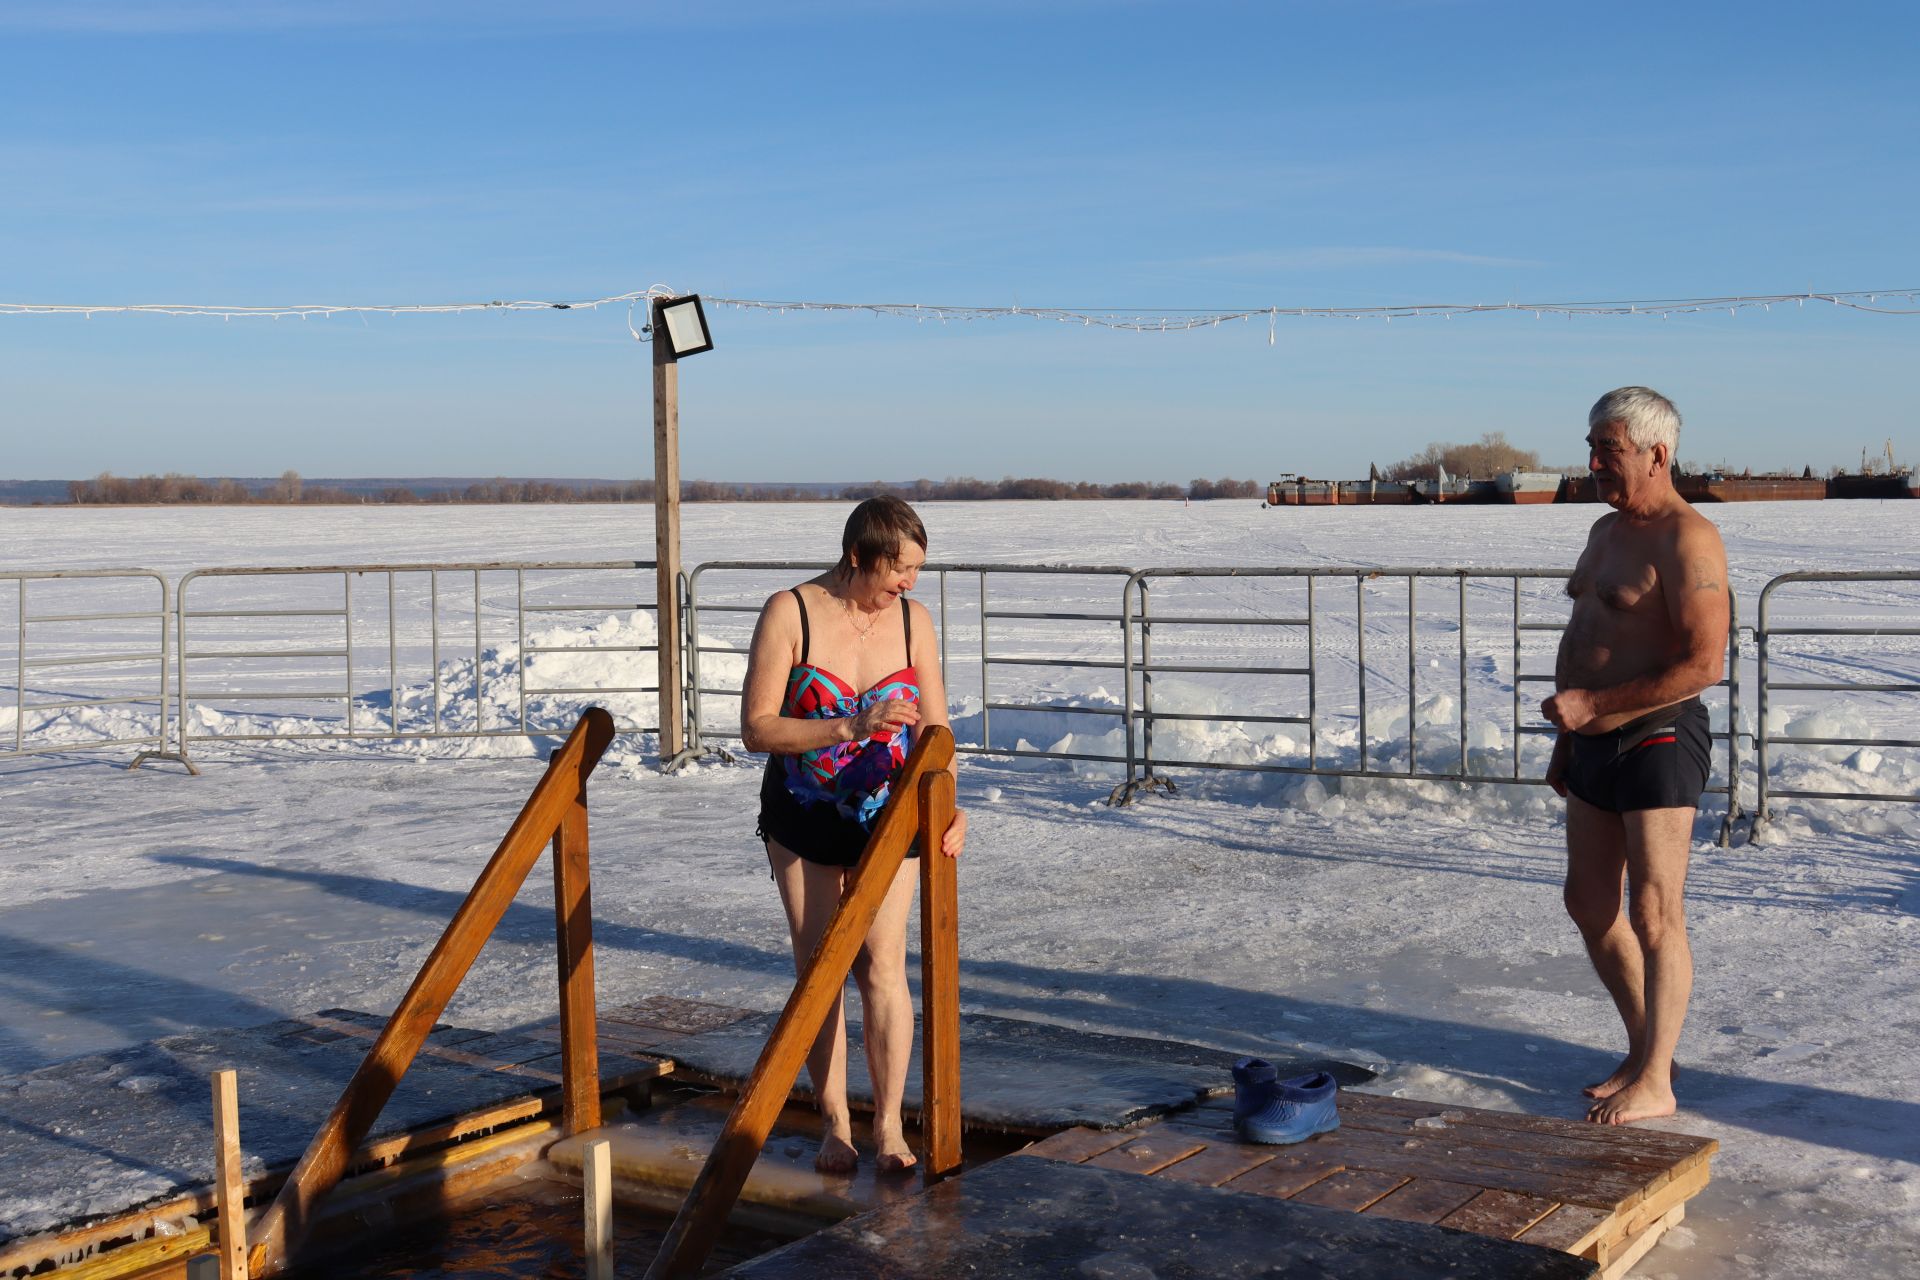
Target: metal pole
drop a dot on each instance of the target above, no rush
(433, 623)
(1413, 724)
(666, 538)
(1462, 581)
(1313, 681)
(986, 731)
(393, 657)
(1760, 813)
(1360, 653)
(20, 678)
(1516, 676)
(696, 711)
(479, 693)
(1146, 685)
(1733, 718)
(520, 638)
(346, 624)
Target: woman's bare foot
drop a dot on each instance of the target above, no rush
(1623, 1075)
(1640, 1100)
(892, 1154)
(836, 1155)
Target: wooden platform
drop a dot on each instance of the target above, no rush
(1021, 1077)
(1019, 1218)
(1604, 1194)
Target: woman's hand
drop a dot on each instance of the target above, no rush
(956, 838)
(888, 717)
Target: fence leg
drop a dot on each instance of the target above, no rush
(939, 982)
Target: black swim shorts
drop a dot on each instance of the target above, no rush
(816, 833)
(1657, 761)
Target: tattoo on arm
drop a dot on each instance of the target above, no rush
(1706, 575)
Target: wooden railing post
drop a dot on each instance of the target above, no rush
(939, 982)
(288, 1219)
(714, 1192)
(579, 1036)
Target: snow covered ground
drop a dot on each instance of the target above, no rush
(1412, 926)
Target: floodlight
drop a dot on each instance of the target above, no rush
(682, 324)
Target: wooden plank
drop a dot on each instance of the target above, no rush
(1574, 1145)
(573, 927)
(671, 1013)
(596, 1198)
(1076, 1145)
(1679, 1145)
(1571, 1228)
(230, 1188)
(1350, 1189)
(939, 981)
(1283, 1176)
(1505, 1214)
(698, 1223)
(1148, 1154)
(1623, 1259)
(1563, 1180)
(1428, 1200)
(279, 1230)
(1218, 1164)
(1657, 1202)
(467, 1057)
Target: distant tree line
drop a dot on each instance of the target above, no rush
(1481, 460)
(107, 489)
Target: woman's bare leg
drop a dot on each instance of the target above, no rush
(811, 894)
(887, 1015)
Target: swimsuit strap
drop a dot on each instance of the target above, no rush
(906, 621)
(806, 635)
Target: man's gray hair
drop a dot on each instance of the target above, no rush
(1649, 417)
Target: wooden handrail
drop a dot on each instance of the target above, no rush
(714, 1192)
(556, 811)
(939, 983)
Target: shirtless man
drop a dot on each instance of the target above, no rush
(1648, 634)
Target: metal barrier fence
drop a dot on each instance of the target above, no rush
(965, 621)
(262, 654)
(1766, 635)
(63, 637)
(1303, 622)
(256, 638)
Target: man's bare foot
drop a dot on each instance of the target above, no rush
(1623, 1075)
(1640, 1100)
(836, 1155)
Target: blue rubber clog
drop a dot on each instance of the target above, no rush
(1253, 1081)
(1276, 1112)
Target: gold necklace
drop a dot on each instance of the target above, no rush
(859, 632)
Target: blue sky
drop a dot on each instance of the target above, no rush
(1072, 154)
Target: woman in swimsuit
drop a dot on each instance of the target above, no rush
(843, 669)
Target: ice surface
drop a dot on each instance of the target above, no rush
(1419, 924)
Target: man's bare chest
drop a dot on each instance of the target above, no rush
(1617, 579)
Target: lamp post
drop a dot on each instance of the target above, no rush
(679, 329)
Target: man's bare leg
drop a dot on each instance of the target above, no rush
(1596, 868)
(1658, 843)
(810, 893)
(887, 1016)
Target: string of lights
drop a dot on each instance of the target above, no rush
(1901, 301)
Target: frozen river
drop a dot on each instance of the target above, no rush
(1415, 927)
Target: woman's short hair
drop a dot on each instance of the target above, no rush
(1648, 416)
(875, 532)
